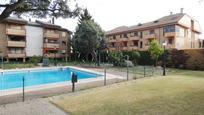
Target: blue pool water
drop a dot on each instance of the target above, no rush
(9, 80)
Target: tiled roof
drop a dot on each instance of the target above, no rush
(48, 25)
(174, 18)
(15, 20)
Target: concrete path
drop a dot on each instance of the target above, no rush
(32, 107)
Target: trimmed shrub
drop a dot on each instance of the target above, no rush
(145, 58)
(115, 58)
(133, 56)
(35, 60)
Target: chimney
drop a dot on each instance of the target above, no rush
(53, 20)
(171, 13)
(182, 10)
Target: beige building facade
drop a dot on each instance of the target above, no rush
(21, 39)
(179, 31)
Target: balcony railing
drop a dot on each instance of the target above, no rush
(63, 47)
(123, 39)
(51, 45)
(124, 48)
(53, 55)
(16, 43)
(16, 55)
(170, 34)
(52, 35)
(149, 36)
(133, 47)
(134, 38)
(15, 32)
(112, 40)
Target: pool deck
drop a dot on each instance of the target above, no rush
(31, 107)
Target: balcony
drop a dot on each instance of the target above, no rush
(150, 36)
(53, 55)
(51, 45)
(52, 35)
(134, 38)
(133, 47)
(63, 47)
(16, 55)
(123, 39)
(170, 34)
(16, 44)
(124, 48)
(112, 40)
(15, 32)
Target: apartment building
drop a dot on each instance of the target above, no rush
(21, 39)
(179, 31)
(13, 38)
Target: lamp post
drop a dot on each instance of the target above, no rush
(2, 61)
(55, 57)
(2, 58)
(164, 59)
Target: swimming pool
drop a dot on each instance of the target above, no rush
(14, 79)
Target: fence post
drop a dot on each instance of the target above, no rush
(127, 72)
(152, 70)
(104, 76)
(23, 89)
(144, 71)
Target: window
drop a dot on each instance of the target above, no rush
(141, 35)
(112, 44)
(16, 50)
(121, 36)
(151, 32)
(125, 36)
(136, 34)
(170, 41)
(131, 34)
(63, 34)
(170, 28)
(114, 37)
(192, 24)
(124, 44)
(135, 43)
(141, 44)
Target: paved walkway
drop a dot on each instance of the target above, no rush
(32, 107)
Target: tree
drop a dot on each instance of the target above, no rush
(155, 50)
(37, 8)
(85, 16)
(89, 36)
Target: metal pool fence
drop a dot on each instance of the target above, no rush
(127, 73)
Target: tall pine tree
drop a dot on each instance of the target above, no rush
(88, 36)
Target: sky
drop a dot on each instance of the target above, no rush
(113, 13)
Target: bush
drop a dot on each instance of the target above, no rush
(133, 56)
(115, 58)
(35, 60)
(145, 58)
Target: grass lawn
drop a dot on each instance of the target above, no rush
(180, 93)
(18, 65)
